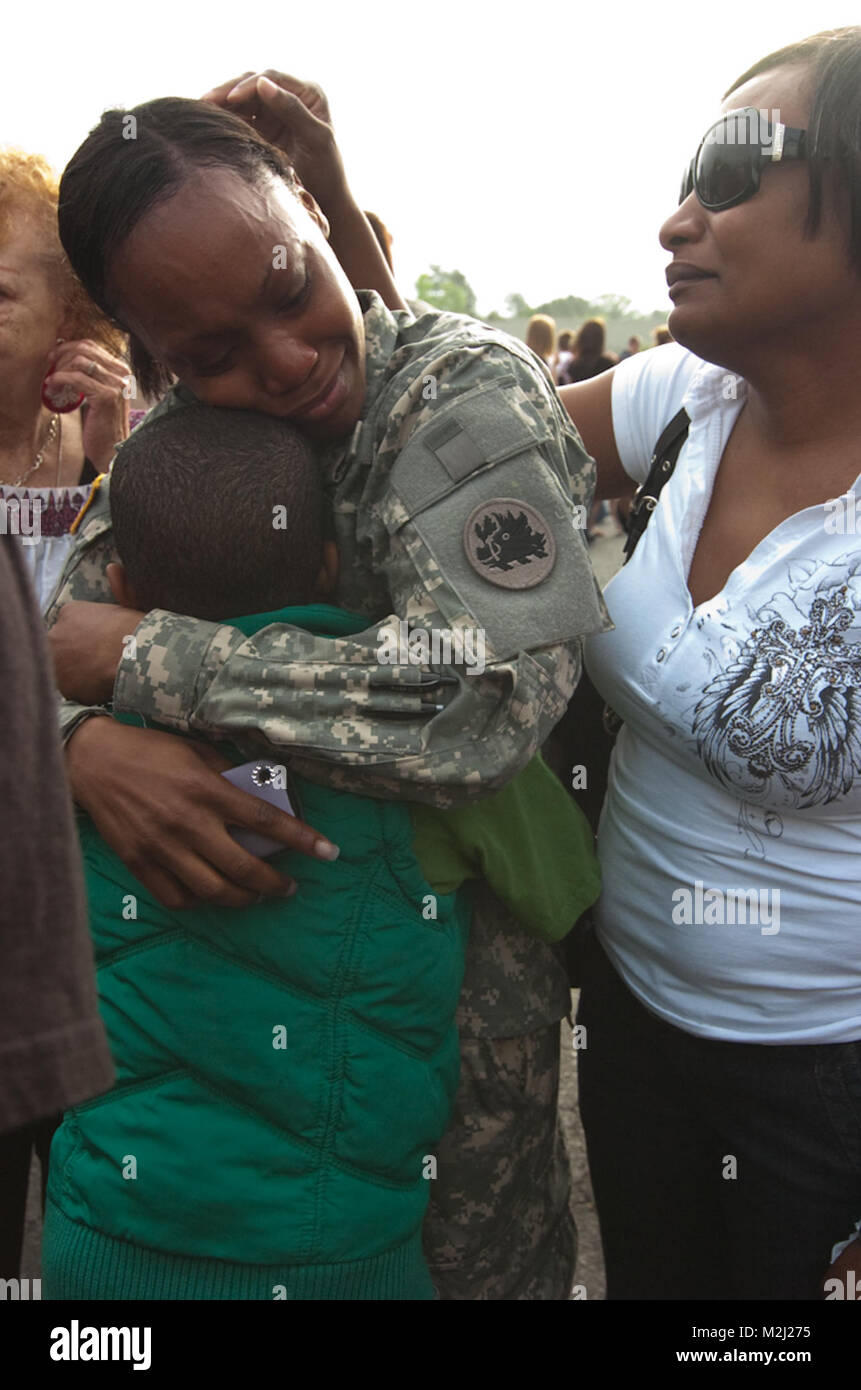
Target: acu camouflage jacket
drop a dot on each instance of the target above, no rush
(459, 505)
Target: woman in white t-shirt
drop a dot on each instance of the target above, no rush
(721, 1081)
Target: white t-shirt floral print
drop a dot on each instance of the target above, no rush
(731, 835)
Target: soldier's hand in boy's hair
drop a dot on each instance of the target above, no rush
(294, 116)
(172, 832)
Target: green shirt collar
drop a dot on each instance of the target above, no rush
(322, 619)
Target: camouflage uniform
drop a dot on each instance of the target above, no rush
(453, 506)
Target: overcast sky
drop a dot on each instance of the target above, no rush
(537, 147)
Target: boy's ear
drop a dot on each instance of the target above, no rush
(327, 579)
(120, 586)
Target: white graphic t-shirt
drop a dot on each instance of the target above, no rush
(730, 839)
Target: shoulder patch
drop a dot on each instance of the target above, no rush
(509, 543)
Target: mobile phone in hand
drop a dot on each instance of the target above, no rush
(268, 781)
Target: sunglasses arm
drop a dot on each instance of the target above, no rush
(787, 142)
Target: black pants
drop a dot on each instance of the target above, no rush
(721, 1170)
(15, 1152)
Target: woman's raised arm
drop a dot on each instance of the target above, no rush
(589, 403)
(294, 116)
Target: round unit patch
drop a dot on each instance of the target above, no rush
(509, 543)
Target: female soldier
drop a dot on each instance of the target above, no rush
(456, 483)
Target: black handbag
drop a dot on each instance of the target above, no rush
(584, 737)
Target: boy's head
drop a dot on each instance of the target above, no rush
(218, 514)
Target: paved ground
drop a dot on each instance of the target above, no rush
(606, 554)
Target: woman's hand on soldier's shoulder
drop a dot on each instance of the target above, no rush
(294, 116)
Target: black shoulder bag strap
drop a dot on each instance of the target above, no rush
(663, 462)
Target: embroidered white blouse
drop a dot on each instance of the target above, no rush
(42, 518)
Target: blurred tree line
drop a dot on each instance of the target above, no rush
(446, 289)
(450, 289)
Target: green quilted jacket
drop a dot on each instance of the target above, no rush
(284, 1074)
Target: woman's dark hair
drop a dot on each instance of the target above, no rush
(128, 164)
(833, 59)
(590, 340)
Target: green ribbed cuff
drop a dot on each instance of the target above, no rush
(80, 1263)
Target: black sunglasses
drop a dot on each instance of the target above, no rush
(728, 165)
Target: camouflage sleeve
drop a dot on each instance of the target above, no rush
(468, 516)
(84, 578)
(345, 719)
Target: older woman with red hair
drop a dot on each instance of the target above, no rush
(64, 385)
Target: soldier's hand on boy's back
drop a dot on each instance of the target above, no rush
(159, 802)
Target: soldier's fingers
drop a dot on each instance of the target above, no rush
(164, 886)
(211, 755)
(235, 807)
(218, 869)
